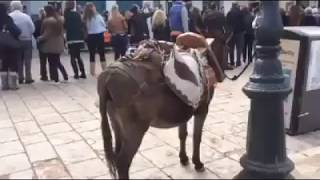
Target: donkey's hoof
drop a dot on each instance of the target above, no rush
(184, 161)
(200, 168)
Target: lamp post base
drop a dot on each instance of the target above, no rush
(249, 175)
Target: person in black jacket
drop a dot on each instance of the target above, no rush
(42, 56)
(160, 26)
(248, 36)
(9, 56)
(138, 27)
(75, 38)
(235, 21)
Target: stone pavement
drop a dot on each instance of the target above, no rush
(52, 131)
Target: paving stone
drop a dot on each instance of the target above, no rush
(64, 138)
(219, 144)
(87, 169)
(27, 128)
(163, 156)
(169, 136)
(207, 153)
(49, 118)
(150, 141)
(5, 123)
(50, 169)
(76, 117)
(14, 163)
(40, 152)
(153, 173)
(75, 152)
(104, 177)
(56, 128)
(7, 135)
(42, 110)
(188, 172)
(86, 126)
(225, 168)
(10, 148)
(140, 163)
(28, 174)
(33, 139)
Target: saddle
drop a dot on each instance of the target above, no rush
(184, 66)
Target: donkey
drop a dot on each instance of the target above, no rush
(135, 97)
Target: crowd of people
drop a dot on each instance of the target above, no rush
(74, 27)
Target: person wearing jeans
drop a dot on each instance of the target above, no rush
(25, 24)
(52, 41)
(96, 27)
(118, 27)
(75, 38)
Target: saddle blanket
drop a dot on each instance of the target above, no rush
(185, 75)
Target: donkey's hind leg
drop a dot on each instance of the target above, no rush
(183, 133)
(130, 144)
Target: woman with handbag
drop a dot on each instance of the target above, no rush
(9, 48)
(75, 38)
(52, 42)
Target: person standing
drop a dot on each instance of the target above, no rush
(146, 9)
(195, 21)
(309, 19)
(75, 38)
(178, 19)
(25, 24)
(235, 21)
(42, 56)
(8, 55)
(248, 36)
(160, 26)
(138, 27)
(95, 29)
(215, 27)
(118, 28)
(52, 42)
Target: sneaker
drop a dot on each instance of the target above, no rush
(29, 81)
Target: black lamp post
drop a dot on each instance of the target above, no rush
(266, 155)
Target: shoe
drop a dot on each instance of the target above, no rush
(83, 76)
(76, 76)
(64, 81)
(4, 81)
(29, 81)
(44, 79)
(238, 64)
(21, 81)
(229, 67)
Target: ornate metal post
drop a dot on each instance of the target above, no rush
(266, 155)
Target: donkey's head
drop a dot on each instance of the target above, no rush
(196, 41)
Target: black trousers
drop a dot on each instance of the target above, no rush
(96, 44)
(248, 46)
(43, 65)
(54, 65)
(120, 45)
(237, 42)
(10, 59)
(76, 61)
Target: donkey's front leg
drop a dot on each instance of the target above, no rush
(183, 133)
(197, 136)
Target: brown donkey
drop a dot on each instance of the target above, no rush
(135, 97)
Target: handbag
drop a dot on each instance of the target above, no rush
(8, 41)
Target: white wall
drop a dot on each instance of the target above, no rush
(198, 4)
(35, 6)
(109, 4)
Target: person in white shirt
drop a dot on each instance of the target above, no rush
(96, 27)
(25, 24)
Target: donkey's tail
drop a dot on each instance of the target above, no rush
(105, 126)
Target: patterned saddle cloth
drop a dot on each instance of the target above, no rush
(186, 70)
